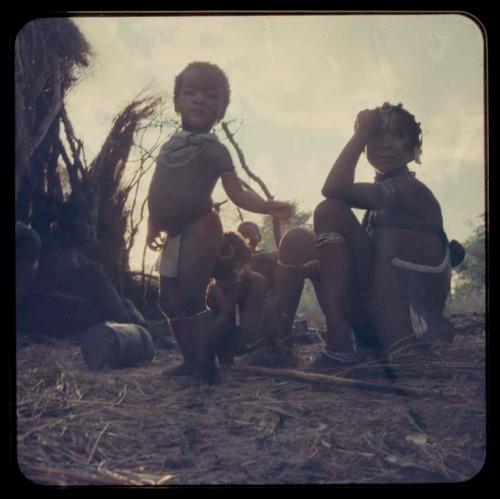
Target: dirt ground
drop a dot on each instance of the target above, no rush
(134, 427)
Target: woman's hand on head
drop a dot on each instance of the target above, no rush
(367, 123)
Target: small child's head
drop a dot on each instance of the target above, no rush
(251, 233)
(234, 254)
(397, 141)
(201, 96)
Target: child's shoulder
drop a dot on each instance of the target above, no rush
(216, 147)
(218, 154)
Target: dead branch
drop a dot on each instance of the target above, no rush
(244, 165)
(243, 162)
(70, 167)
(336, 381)
(55, 107)
(71, 138)
(240, 214)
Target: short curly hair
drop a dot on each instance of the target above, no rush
(234, 252)
(220, 77)
(415, 130)
(244, 226)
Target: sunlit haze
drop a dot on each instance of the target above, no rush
(297, 84)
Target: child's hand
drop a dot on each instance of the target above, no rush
(367, 123)
(154, 239)
(280, 210)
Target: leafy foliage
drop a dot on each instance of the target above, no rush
(469, 280)
(298, 219)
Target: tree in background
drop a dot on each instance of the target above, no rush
(469, 280)
(298, 219)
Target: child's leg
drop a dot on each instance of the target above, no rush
(225, 333)
(171, 306)
(199, 249)
(345, 254)
(222, 308)
(249, 318)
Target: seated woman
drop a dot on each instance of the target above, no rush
(381, 283)
(385, 280)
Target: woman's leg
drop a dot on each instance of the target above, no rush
(296, 249)
(280, 307)
(389, 307)
(345, 254)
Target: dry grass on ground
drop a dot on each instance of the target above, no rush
(134, 427)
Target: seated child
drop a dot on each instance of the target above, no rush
(180, 204)
(263, 262)
(387, 279)
(236, 298)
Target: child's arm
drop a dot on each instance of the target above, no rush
(361, 195)
(341, 175)
(395, 193)
(251, 201)
(340, 181)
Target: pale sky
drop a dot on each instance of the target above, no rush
(297, 84)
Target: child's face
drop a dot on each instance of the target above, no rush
(199, 100)
(391, 146)
(252, 235)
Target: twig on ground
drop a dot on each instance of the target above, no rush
(336, 381)
(92, 452)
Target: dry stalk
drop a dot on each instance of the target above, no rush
(337, 381)
(98, 439)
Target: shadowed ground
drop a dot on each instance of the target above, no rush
(133, 427)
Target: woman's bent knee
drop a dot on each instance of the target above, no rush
(328, 212)
(297, 247)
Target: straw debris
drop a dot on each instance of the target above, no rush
(133, 427)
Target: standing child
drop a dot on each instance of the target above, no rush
(386, 279)
(180, 204)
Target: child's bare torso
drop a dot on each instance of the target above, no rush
(179, 196)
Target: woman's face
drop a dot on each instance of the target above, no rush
(391, 147)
